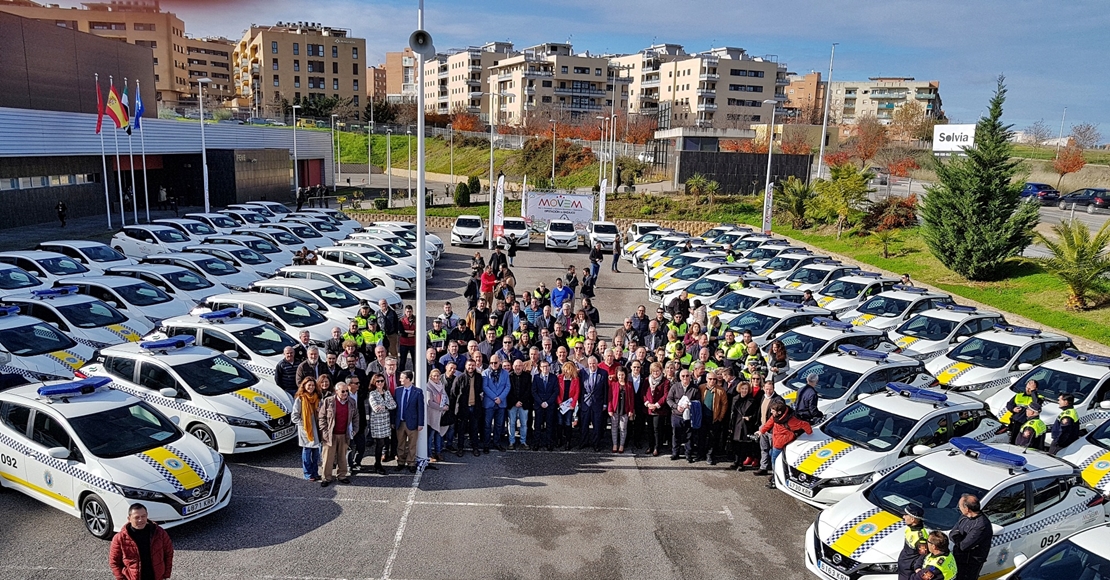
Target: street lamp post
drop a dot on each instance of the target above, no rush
(767, 182)
(451, 130)
(203, 151)
(338, 154)
(389, 167)
(296, 177)
(601, 149)
(408, 155)
(491, 123)
(553, 142)
(369, 144)
(825, 117)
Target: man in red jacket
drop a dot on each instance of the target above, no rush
(141, 550)
(784, 428)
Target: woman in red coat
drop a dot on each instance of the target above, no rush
(127, 558)
(568, 393)
(622, 407)
(486, 285)
(655, 399)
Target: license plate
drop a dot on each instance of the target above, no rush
(795, 486)
(200, 505)
(828, 569)
(286, 432)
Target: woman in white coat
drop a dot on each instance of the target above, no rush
(306, 403)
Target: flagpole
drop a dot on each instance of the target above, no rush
(142, 143)
(119, 171)
(131, 162)
(103, 156)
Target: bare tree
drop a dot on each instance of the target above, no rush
(1086, 135)
(1037, 133)
(907, 121)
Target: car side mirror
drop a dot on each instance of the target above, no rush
(920, 449)
(961, 339)
(231, 353)
(1024, 367)
(58, 452)
(149, 241)
(1019, 559)
(54, 324)
(168, 393)
(1104, 405)
(112, 303)
(997, 529)
(5, 358)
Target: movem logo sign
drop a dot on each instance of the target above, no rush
(542, 207)
(953, 138)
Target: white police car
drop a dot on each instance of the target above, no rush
(768, 251)
(737, 302)
(328, 299)
(143, 240)
(825, 335)
(91, 451)
(278, 237)
(643, 240)
(1085, 376)
(273, 252)
(220, 222)
(1030, 498)
(245, 217)
(211, 267)
(134, 298)
(318, 223)
(309, 237)
(378, 267)
(851, 372)
(1082, 555)
(407, 238)
(643, 254)
(711, 286)
(258, 209)
(874, 435)
(468, 231)
(988, 362)
(87, 320)
(401, 255)
(243, 258)
(889, 309)
(767, 321)
(196, 230)
(815, 275)
(407, 231)
(783, 265)
(431, 254)
(288, 314)
(255, 344)
(349, 280)
(206, 393)
(16, 280)
(181, 283)
(38, 351)
(934, 332)
(93, 255)
(276, 208)
(845, 293)
(666, 262)
(1091, 456)
(46, 266)
(335, 217)
(671, 284)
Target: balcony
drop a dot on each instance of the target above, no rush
(709, 77)
(925, 96)
(620, 80)
(476, 94)
(887, 95)
(579, 91)
(703, 92)
(505, 76)
(474, 68)
(704, 123)
(707, 107)
(529, 90)
(649, 98)
(782, 81)
(473, 82)
(443, 73)
(538, 73)
(649, 83)
(580, 107)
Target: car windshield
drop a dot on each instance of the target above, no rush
(649, 238)
(741, 245)
(1101, 435)
(215, 376)
(705, 287)
(842, 289)
(215, 266)
(91, 314)
(800, 346)
(934, 492)
(61, 266)
(261, 211)
(605, 229)
(16, 278)
(868, 427)
(254, 218)
(561, 227)
(379, 259)
(34, 339)
(298, 314)
(726, 238)
(515, 225)
(834, 381)
(410, 237)
(342, 216)
(690, 272)
(808, 276)
(124, 431)
(983, 353)
(680, 260)
(884, 306)
(927, 327)
(324, 226)
(264, 339)
(283, 237)
(142, 294)
(262, 246)
(354, 281)
(393, 250)
(171, 236)
(222, 221)
(757, 323)
(187, 281)
(468, 223)
(763, 253)
(336, 296)
(403, 243)
(305, 232)
(661, 244)
(278, 208)
(781, 264)
(1051, 383)
(102, 254)
(734, 303)
(671, 253)
(1065, 560)
(200, 228)
(248, 256)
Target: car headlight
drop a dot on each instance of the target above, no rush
(397, 278)
(884, 568)
(965, 388)
(156, 321)
(850, 480)
(241, 422)
(237, 288)
(135, 493)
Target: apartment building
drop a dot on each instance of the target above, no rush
(298, 60)
(376, 82)
(722, 87)
(210, 58)
(456, 80)
(400, 76)
(880, 96)
(550, 81)
(139, 22)
(805, 94)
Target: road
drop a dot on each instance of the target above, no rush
(523, 514)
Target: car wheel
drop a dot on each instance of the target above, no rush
(1091, 208)
(96, 517)
(1062, 205)
(377, 282)
(204, 434)
(119, 249)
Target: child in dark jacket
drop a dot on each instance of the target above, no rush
(784, 428)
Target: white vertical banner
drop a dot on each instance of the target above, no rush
(768, 199)
(523, 192)
(601, 200)
(499, 209)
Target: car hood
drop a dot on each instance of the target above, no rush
(258, 403)
(242, 279)
(1093, 463)
(915, 347)
(468, 231)
(175, 307)
(819, 455)
(671, 284)
(173, 468)
(872, 320)
(802, 286)
(562, 235)
(858, 529)
(131, 330)
(60, 363)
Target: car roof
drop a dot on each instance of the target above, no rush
(152, 268)
(467, 216)
(957, 315)
(74, 243)
(204, 214)
(864, 279)
(293, 283)
(859, 364)
(780, 312)
(986, 475)
(827, 332)
(109, 281)
(1093, 540)
(1071, 365)
(355, 249)
(321, 268)
(1014, 338)
(912, 296)
(154, 227)
(14, 320)
(175, 356)
(910, 407)
(189, 256)
(34, 254)
(823, 266)
(192, 320)
(559, 221)
(182, 221)
(236, 237)
(64, 300)
(599, 222)
(261, 298)
(103, 399)
(762, 292)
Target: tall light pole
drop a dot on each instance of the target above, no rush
(613, 151)
(389, 167)
(408, 155)
(296, 177)
(767, 183)
(1059, 139)
(451, 135)
(601, 149)
(491, 124)
(338, 153)
(369, 144)
(421, 43)
(825, 117)
(553, 123)
(204, 151)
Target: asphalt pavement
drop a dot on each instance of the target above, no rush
(517, 514)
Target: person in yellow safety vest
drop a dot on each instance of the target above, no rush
(1016, 407)
(729, 256)
(734, 351)
(1065, 430)
(574, 339)
(939, 564)
(437, 338)
(356, 334)
(365, 314)
(737, 284)
(678, 325)
(372, 337)
(673, 343)
(683, 358)
(1033, 430)
(915, 534)
(754, 362)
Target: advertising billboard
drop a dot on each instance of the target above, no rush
(541, 207)
(953, 138)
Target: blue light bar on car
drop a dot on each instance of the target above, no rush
(168, 343)
(1091, 359)
(224, 314)
(735, 272)
(763, 286)
(74, 388)
(986, 454)
(864, 274)
(916, 393)
(9, 310)
(52, 292)
(785, 304)
(1019, 330)
(910, 289)
(835, 324)
(862, 353)
(958, 308)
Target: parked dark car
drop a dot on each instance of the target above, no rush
(1041, 192)
(1091, 197)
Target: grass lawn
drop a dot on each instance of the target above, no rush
(1096, 156)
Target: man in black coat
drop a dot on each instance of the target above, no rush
(593, 398)
(473, 290)
(285, 374)
(497, 259)
(971, 539)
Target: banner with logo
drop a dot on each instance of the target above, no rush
(768, 200)
(499, 209)
(544, 206)
(601, 200)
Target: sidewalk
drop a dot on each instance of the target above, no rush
(92, 228)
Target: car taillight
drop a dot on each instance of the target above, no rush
(1098, 200)
(1096, 501)
(80, 375)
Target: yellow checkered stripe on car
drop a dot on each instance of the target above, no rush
(1095, 470)
(906, 341)
(862, 319)
(262, 403)
(821, 456)
(67, 358)
(863, 532)
(953, 372)
(123, 332)
(825, 301)
(173, 467)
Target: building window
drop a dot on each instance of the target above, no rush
(312, 50)
(144, 27)
(334, 68)
(564, 70)
(335, 84)
(355, 101)
(320, 49)
(273, 47)
(151, 44)
(546, 84)
(296, 65)
(354, 53)
(581, 70)
(276, 83)
(335, 52)
(354, 68)
(746, 88)
(297, 82)
(597, 72)
(107, 26)
(546, 99)
(356, 84)
(296, 96)
(275, 64)
(296, 48)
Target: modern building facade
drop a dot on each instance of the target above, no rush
(210, 58)
(806, 94)
(376, 82)
(880, 96)
(290, 61)
(137, 22)
(456, 80)
(400, 76)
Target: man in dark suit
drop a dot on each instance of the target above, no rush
(592, 400)
(468, 409)
(410, 421)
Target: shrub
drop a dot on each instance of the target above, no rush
(891, 213)
(380, 203)
(474, 185)
(462, 195)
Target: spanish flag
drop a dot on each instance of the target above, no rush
(116, 111)
(99, 107)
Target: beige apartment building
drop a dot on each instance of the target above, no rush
(549, 81)
(376, 82)
(210, 58)
(139, 22)
(880, 96)
(456, 80)
(298, 60)
(400, 76)
(805, 94)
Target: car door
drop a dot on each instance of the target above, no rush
(154, 378)
(221, 341)
(872, 382)
(15, 421)
(45, 314)
(53, 475)
(142, 242)
(1009, 508)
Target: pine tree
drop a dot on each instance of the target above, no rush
(973, 217)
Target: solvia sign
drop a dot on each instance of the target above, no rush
(953, 138)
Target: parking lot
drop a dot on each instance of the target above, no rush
(523, 514)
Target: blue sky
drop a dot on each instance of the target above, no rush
(1053, 53)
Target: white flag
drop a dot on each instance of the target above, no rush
(601, 201)
(523, 194)
(768, 198)
(499, 209)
